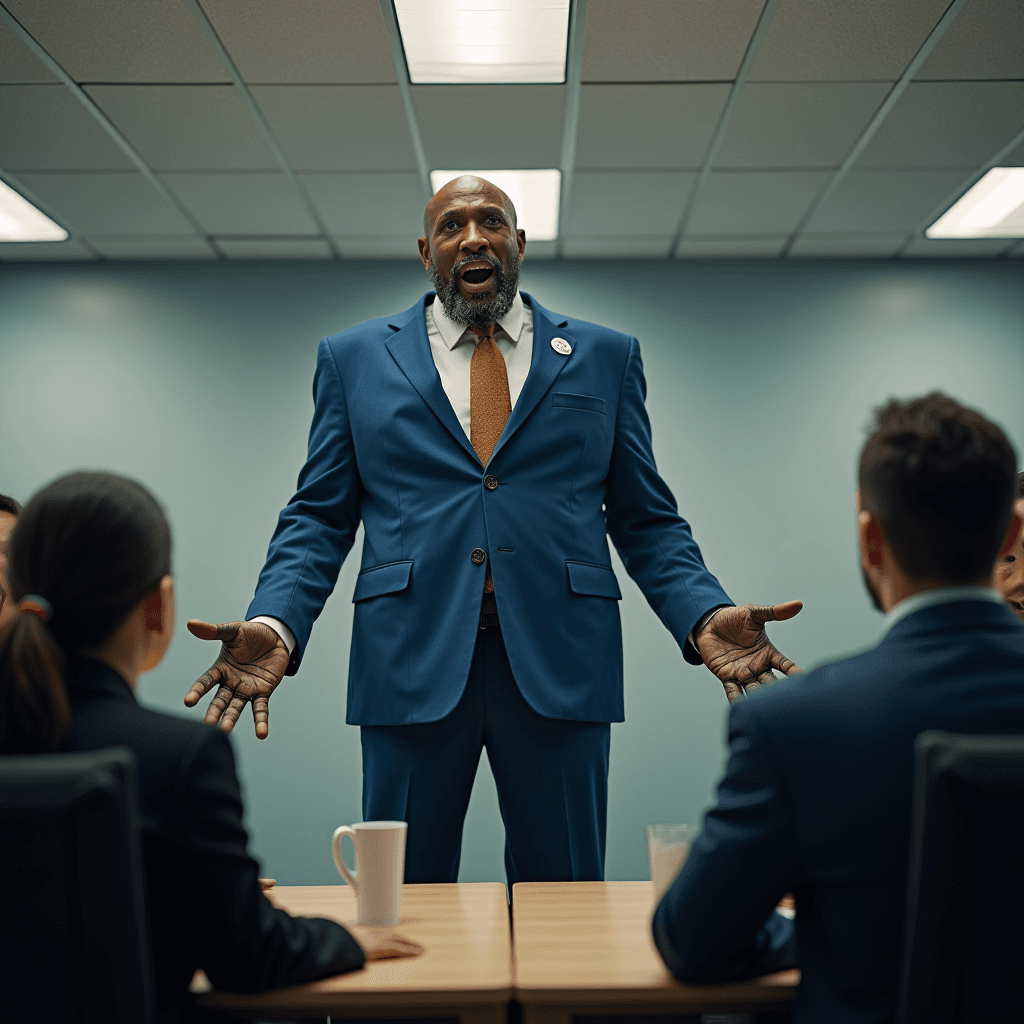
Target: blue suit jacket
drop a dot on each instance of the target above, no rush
(574, 462)
(816, 800)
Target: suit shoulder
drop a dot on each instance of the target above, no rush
(367, 333)
(596, 332)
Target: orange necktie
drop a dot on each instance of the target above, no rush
(489, 403)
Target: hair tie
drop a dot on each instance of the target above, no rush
(33, 604)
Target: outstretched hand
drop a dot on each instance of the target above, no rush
(251, 663)
(735, 646)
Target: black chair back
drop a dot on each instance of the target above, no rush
(74, 935)
(963, 951)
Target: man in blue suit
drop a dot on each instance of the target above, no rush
(488, 446)
(817, 791)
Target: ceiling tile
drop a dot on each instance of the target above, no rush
(152, 247)
(754, 202)
(526, 125)
(625, 126)
(338, 127)
(243, 204)
(985, 41)
(735, 246)
(369, 204)
(44, 128)
(877, 245)
(320, 41)
(844, 40)
(18, 64)
(883, 201)
(610, 246)
(779, 124)
(377, 247)
(964, 247)
(666, 40)
(11, 252)
(108, 204)
(628, 203)
(947, 124)
(186, 127)
(274, 248)
(121, 40)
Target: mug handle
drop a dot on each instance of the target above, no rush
(339, 862)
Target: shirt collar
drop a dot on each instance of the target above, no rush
(452, 333)
(940, 595)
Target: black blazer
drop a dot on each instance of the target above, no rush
(206, 909)
(816, 800)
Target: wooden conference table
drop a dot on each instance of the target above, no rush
(580, 949)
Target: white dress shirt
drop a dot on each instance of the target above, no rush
(938, 595)
(452, 347)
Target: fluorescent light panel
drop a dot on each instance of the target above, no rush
(993, 208)
(535, 195)
(20, 221)
(451, 41)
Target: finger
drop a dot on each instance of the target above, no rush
(223, 631)
(766, 677)
(202, 686)
(732, 689)
(785, 665)
(219, 704)
(261, 716)
(231, 713)
(762, 613)
(267, 883)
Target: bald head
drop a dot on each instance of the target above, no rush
(469, 188)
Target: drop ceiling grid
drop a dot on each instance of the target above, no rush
(655, 77)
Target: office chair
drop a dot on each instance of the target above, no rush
(964, 932)
(74, 934)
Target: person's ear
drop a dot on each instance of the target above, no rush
(159, 612)
(1012, 533)
(872, 540)
(424, 252)
(521, 242)
(153, 611)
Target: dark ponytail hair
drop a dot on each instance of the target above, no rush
(92, 545)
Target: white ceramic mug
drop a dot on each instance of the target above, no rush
(380, 868)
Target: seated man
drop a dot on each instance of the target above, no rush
(1009, 574)
(9, 510)
(817, 792)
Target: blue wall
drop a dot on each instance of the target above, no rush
(195, 378)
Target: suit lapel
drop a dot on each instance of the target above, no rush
(410, 348)
(545, 365)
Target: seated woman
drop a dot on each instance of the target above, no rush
(89, 563)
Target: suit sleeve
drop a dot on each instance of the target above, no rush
(317, 528)
(245, 944)
(654, 541)
(717, 922)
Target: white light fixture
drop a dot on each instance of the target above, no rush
(450, 41)
(20, 221)
(534, 194)
(993, 208)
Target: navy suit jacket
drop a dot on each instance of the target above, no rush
(574, 462)
(816, 801)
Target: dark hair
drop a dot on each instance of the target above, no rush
(92, 545)
(10, 505)
(941, 480)
(1020, 485)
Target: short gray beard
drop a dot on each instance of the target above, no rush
(484, 311)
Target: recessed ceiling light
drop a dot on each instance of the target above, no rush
(534, 194)
(994, 208)
(20, 221)
(449, 41)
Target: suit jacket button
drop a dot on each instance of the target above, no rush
(478, 555)
(490, 482)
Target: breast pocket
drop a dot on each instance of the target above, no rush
(583, 403)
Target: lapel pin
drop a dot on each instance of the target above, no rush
(561, 346)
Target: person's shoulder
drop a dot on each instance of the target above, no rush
(582, 329)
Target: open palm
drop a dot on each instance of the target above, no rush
(251, 663)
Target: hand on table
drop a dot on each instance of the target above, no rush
(251, 663)
(382, 943)
(267, 883)
(735, 646)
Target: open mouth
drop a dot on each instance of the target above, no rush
(477, 275)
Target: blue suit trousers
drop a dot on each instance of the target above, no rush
(551, 776)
